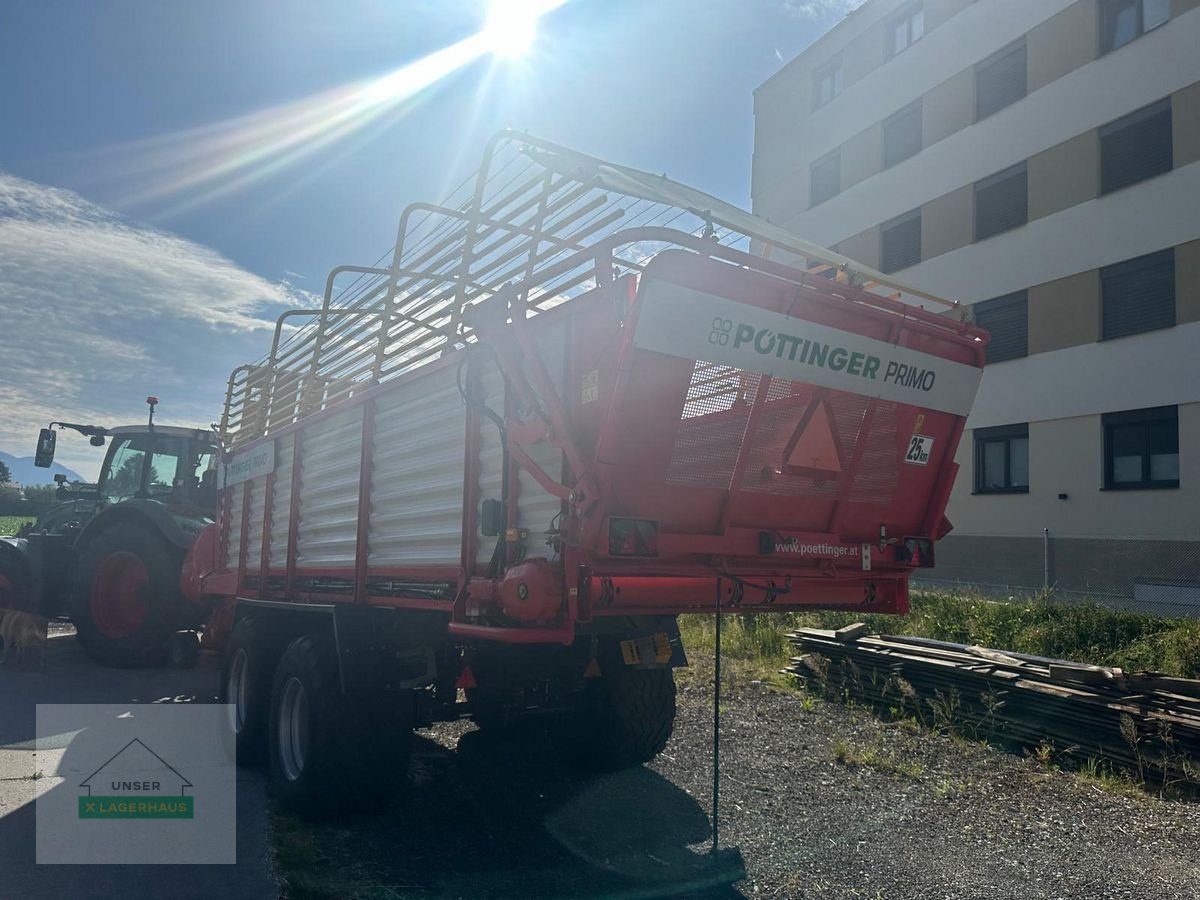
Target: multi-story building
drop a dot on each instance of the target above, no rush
(1040, 161)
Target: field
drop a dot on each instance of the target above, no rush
(10, 524)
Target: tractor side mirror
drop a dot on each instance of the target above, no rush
(45, 448)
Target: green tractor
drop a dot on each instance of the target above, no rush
(108, 555)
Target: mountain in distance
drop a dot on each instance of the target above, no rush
(26, 474)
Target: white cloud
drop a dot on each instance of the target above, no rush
(96, 312)
(821, 10)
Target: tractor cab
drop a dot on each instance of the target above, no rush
(176, 466)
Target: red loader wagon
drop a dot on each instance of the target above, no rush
(485, 479)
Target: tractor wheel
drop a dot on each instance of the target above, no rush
(329, 752)
(624, 719)
(246, 688)
(126, 599)
(16, 585)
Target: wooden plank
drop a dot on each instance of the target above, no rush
(850, 632)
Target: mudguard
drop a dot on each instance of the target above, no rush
(177, 529)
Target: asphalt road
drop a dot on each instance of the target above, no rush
(69, 677)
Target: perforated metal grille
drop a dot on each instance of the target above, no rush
(713, 428)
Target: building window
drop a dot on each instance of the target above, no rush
(1000, 81)
(1136, 147)
(825, 178)
(902, 135)
(1123, 20)
(1006, 319)
(827, 84)
(1001, 202)
(1141, 449)
(1002, 460)
(906, 29)
(900, 241)
(1138, 295)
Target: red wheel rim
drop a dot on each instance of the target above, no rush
(119, 601)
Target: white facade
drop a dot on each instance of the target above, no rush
(1077, 83)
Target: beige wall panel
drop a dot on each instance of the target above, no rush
(947, 223)
(1187, 282)
(1064, 313)
(862, 247)
(949, 107)
(1185, 119)
(862, 155)
(1062, 43)
(863, 55)
(1065, 175)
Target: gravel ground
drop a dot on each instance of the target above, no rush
(900, 815)
(926, 817)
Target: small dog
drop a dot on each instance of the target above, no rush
(22, 632)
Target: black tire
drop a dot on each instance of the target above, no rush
(126, 602)
(250, 659)
(624, 719)
(16, 584)
(354, 750)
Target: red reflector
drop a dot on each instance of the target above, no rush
(466, 680)
(814, 445)
(632, 537)
(918, 551)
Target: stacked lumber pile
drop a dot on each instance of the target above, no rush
(1145, 722)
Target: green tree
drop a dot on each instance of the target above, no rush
(5, 474)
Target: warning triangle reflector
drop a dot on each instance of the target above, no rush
(466, 680)
(814, 445)
(592, 670)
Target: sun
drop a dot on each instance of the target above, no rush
(511, 26)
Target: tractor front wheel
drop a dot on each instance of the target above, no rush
(126, 599)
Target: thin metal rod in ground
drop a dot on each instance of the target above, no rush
(716, 757)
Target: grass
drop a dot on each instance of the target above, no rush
(755, 648)
(875, 758)
(1083, 632)
(10, 524)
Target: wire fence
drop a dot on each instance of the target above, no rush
(1147, 574)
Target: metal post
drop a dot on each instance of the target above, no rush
(1045, 559)
(716, 763)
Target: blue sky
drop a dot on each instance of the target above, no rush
(121, 276)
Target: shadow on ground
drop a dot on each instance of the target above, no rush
(501, 816)
(67, 676)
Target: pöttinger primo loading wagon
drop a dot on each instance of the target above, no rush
(578, 403)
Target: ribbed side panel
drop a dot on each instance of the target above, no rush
(281, 505)
(417, 476)
(329, 470)
(234, 547)
(491, 457)
(254, 525)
